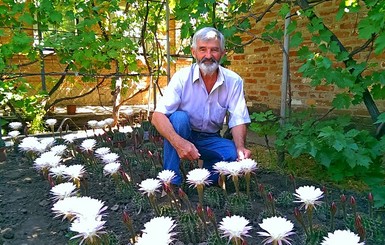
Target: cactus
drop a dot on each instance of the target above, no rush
(168, 210)
(191, 232)
(373, 227)
(213, 239)
(3, 151)
(138, 136)
(239, 204)
(285, 199)
(153, 131)
(214, 197)
(146, 125)
(140, 202)
(119, 138)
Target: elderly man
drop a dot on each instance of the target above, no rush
(192, 110)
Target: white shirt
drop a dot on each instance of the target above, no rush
(187, 92)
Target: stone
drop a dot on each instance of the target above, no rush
(8, 233)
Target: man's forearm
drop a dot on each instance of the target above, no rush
(239, 135)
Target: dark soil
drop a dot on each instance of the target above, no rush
(26, 217)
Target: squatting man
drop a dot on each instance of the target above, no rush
(194, 105)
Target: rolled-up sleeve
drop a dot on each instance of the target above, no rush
(238, 112)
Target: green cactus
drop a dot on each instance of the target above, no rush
(140, 202)
(153, 131)
(146, 125)
(373, 227)
(138, 136)
(239, 204)
(285, 199)
(191, 231)
(119, 138)
(214, 197)
(3, 151)
(213, 239)
(166, 209)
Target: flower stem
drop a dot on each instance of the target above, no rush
(310, 218)
(223, 184)
(153, 204)
(236, 183)
(236, 241)
(200, 193)
(247, 176)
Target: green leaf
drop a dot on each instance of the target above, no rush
(27, 18)
(285, 9)
(271, 25)
(357, 68)
(325, 35)
(366, 28)
(379, 43)
(341, 101)
(379, 195)
(315, 25)
(296, 40)
(313, 149)
(326, 132)
(342, 56)
(304, 53)
(292, 26)
(353, 133)
(338, 145)
(316, 39)
(326, 62)
(325, 159)
(380, 118)
(334, 47)
(341, 11)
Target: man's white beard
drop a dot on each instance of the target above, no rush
(208, 69)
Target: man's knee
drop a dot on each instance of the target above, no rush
(181, 122)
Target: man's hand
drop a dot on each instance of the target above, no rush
(186, 150)
(243, 153)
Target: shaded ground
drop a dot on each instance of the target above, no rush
(26, 217)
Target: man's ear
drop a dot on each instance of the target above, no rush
(193, 52)
(223, 53)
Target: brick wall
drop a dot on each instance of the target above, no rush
(261, 65)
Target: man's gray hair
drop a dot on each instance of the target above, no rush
(208, 33)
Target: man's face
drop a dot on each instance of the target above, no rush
(208, 55)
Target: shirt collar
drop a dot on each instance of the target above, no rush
(220, 78)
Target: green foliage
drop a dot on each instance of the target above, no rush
(334, 143)
(264, 123)
(87, 38)
(26, 107)
(343, 150)
(196, 14)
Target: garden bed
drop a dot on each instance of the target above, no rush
(26, 202)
